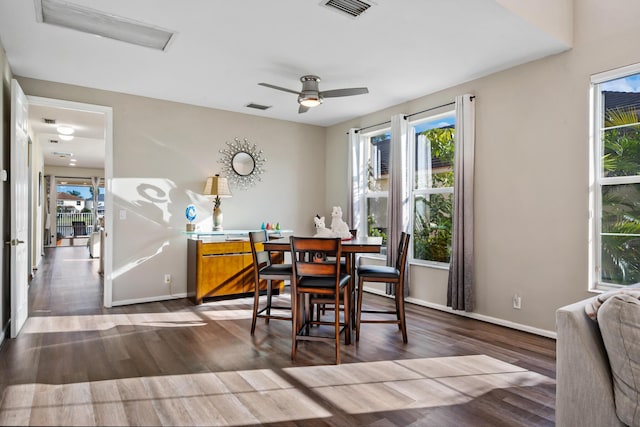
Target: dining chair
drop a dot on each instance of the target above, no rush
(264, 269)
(393, 275)
(318, 279)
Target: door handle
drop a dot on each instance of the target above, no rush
(14, 242)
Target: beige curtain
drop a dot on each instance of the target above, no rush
(398, 207)
(460, 286)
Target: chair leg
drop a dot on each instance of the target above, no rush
(256, 301)
(348, 312)
(337, 326)
(294, 323)
(397, 301)
(403, 324)
(266, 320)
(359, 310)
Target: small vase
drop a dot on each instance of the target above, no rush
(217, 219)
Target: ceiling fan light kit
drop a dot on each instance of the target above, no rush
(310, 96)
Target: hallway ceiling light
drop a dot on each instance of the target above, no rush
(65, 130)
(65, 137)
(99, 23)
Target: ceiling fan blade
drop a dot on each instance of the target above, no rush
(279, 88)
(344, 92)
(302, 109)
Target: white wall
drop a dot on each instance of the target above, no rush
(37, 203)
(531, 213)
(163, 152)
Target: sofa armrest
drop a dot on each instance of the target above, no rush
(584, 388)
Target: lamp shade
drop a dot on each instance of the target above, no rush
(217, 186)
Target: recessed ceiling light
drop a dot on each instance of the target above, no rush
(72, 164)
(65, 137)
(73, 160)
(65, 130)
(62, 154)
(99, 23)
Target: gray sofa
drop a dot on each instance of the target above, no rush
(584, 389)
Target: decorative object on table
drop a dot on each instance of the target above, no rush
(219, 187)
(338, 226)
(242, 163)
(321, 230)
(190, 213)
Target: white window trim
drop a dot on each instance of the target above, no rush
(367, 194)
(413, 192)
(596, 180)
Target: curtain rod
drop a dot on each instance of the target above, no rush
(430, 109)
(410, 115)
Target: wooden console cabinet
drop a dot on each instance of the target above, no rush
(221, 268)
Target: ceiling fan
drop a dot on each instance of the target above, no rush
(310, 96)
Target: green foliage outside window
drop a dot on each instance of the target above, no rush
(433, 224)
(620, 239)
(373, 231)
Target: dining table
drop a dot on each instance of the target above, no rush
(350, 248)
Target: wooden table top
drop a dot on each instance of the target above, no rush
(359, 245)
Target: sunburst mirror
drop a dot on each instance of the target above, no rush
(242, 163)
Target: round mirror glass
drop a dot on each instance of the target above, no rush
(243, 163)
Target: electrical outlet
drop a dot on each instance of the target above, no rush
(517, 301)
(167, 278)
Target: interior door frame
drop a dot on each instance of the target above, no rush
(108, 179)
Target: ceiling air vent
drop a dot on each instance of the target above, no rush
(53, 141)
(353, 8)
(258, 106)
(92, 21)
(49, 121)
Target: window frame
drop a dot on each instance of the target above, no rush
(365, 139)
(413, 192)
(597, 180)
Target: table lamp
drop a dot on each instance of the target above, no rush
(219, 187)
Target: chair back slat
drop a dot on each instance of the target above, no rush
(260, 256)
(403, 248)
(309, 256)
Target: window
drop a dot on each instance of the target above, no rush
(376, 146)
(432, 187)
(615, 169)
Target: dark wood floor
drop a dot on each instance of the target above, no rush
(173, 363)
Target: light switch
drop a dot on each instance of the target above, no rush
(123, 214)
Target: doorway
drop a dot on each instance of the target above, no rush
(74, 148)
(79, 211)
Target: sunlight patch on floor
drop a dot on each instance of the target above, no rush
(263, 395)
(413, 383)
(101, 322)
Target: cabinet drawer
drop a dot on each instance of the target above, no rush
(216, 248)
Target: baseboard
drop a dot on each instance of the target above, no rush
(476, 316)
(150, 299)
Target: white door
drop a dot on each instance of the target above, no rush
(18, 182)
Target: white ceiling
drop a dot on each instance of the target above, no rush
(400, 50)
(87, 146)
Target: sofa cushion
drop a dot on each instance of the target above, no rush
(619, 321)
(594, 304)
